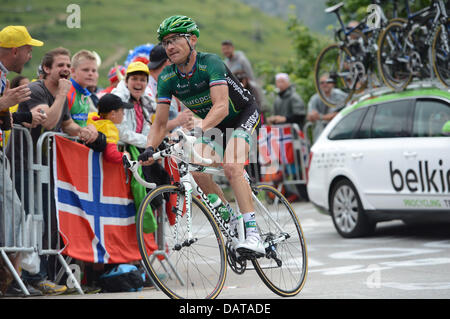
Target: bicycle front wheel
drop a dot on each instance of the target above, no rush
(190, 261)
(440, 54)
(393, 60)
(336, 63)
(284, 268)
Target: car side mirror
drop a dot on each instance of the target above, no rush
(446, 129)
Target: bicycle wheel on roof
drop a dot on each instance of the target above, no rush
(334, 63)
(440, 53)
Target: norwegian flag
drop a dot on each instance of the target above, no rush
(268, 149)
(95, 209)
(276, 144)
(286, 144)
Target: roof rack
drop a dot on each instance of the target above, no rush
(375, 92)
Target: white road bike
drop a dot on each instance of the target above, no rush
(195, 245)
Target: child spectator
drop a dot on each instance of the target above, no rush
(110, 112)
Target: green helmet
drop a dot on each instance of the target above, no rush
(177, 24)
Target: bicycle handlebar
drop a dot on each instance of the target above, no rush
(189, 146)
(133, 166)
(184, 145)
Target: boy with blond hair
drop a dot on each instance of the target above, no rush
(84, 73)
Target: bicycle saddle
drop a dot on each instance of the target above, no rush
(334, 8)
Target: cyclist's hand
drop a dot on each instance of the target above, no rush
(145, 158)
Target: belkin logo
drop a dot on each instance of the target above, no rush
(423, 178)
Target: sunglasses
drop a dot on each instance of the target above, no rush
(174, 39)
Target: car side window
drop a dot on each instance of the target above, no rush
(429, 117)
(392, 119)
(345, 128)
(364, 130)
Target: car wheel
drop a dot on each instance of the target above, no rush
(347, 212)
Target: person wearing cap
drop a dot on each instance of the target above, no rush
(133, 89)
(135, 126)
(110, 113)
(16, 46)
(115, 75)
(318, 112)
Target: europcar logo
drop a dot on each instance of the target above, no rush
(427, 176)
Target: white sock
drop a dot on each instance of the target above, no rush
(250, 224)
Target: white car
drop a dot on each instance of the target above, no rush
(384, 158)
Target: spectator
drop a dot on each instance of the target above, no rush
(16, 46)
(236, 60)
(115, 75)
(27, 119)
(50, 95)
(318, 112)
(110, 113)
(177, 117)
(255, 90)
(136, 124)
(289, 108)
(288, 105)
(84, 75)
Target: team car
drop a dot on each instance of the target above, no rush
(384, 157)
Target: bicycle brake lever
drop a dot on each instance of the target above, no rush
(126, 161)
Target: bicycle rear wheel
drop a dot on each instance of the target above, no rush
(335, 62)
(393, 61)
(183, 266)
(440, 54)
(284, 268)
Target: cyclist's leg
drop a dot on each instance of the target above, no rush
(214, 151)
(236, 155)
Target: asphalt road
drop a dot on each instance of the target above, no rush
(397, 262)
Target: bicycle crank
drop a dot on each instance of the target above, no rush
(237, 264)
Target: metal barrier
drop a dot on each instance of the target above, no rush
(22, 202)
(291, 173)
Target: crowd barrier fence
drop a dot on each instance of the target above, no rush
(27, 206)
(293, 172)
(25, 173)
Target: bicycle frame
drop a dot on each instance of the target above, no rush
(190, 188)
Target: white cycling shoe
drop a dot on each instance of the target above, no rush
(251, 245)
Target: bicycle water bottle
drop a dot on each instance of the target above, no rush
(217, 203)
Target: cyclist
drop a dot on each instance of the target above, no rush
(207, 87)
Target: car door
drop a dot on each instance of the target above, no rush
(378, 156)
(427, 158)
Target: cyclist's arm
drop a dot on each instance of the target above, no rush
(219, 110)
(158, 129)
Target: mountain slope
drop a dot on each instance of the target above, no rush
(113, 27)
(311, 13)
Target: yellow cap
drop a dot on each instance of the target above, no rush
(17, 36)
(137, 66)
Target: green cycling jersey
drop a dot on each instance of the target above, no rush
(193, 89)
